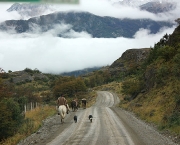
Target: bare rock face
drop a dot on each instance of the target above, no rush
(135, 55)
(130, 59)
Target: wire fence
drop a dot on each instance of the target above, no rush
(30, 106)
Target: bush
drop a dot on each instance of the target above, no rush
(174, 119)
(166, 52)
(6, 124)
(131, 87)
(10, 118)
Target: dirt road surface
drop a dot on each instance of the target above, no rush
(110, 126)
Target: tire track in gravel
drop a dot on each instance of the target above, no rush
(79, 133)
(83, 131)
(105, 99)
(120, 132)
(67, 133)
(90, 138)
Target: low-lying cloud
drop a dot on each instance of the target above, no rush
(62, 30)
(52, 54)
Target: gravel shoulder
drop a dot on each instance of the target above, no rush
(111, 126)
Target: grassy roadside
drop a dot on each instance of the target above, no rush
(33, 121)
(91, 99)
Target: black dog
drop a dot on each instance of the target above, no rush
(90, 117)
(75, 118)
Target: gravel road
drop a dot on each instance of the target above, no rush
(110, 126)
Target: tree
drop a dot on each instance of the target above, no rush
(6, 124)
(70, 87)
(10, 117)
(5, 90)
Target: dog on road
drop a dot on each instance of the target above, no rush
(75, 118)
(90, 118)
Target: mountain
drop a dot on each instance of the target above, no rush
(131, 59)
(28, 10)
(132, 3)
(137, 3)
(80, 72)
(158, 7)
(96, 26)
(153, 6)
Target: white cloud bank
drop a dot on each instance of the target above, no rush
(55, 55)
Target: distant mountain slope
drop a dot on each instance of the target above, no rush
(30, 9)
(137, 3)
(153, 6)
(107, 27)
(80, 72)
(133, 3)
(158, 7)
(131, 59)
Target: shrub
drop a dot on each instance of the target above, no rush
(131, 87)
(174, 119)
(10, 118)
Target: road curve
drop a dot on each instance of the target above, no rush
(110, 126)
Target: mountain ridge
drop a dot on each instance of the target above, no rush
(157, 7)
(96, 26)
(28, 10)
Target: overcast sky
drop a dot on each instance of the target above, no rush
(52, 54)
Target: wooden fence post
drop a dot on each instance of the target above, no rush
(31, 105)
(25, 109)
